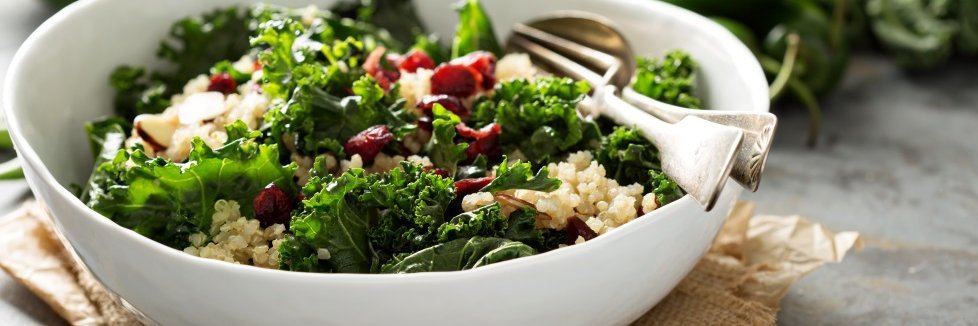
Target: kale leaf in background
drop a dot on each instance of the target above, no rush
(670, 79)
(474, 31)
(398, 17)
(194, 45)
(919, 34)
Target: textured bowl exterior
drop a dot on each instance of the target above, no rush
(59, 80)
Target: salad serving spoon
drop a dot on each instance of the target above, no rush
(695, 153)
(591, 40)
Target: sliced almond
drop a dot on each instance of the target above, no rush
(202, 107)
(155, 129)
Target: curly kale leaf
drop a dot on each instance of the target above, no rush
(327, 25)
(314, 121)
(430, 45)
(458, 255)
(520, 176)
(194, 45)
(670, 80)
(665, 190)
(539, 118)
(335, 221)
(167, 201)
(485, 221)
(106, 137)
(478, 169)
(300, 256)
(627, 156)
(395, 16)
(474, 31)
(362, 221)
(413, 204)
(441, 148)
(197, 43)
(137, 93)
(522, 228)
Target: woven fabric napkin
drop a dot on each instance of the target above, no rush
(741, 281)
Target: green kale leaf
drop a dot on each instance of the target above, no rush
(335, 221)
(314, 121)
(167, 201)
(670, 80)
(478, 169)
(628, 157)
(522, 228)
(137, 93)
(539, 118)
(194, 46)
(442, 149)
(197, 43)
(412, 202)
(520, 176)
(665, 190)
(106, 137)
(458, 255)
(474, 31)
(486, 221)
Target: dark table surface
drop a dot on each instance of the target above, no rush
(897, 161)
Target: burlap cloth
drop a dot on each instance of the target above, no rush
(750, 267)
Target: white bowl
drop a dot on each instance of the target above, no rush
(59, 80)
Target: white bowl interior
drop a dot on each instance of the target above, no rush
(59, 81)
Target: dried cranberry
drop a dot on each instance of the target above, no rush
(414, 60)
(470, 186)
(384, 77)
(223, 83)
(272, 206)
(424, 123)
(439, 171)
(449, 102)
(368, 143)
(456, 80)
(577, 228)
(482, 62)
(485, 141)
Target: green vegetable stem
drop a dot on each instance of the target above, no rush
(9, 170)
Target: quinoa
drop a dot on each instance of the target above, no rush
(515, 66)
(248, 105)
(237, 239)
(585, 193)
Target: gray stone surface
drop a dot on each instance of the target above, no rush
(897, 163)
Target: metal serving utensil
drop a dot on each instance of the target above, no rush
(695, 153)
(592, 41)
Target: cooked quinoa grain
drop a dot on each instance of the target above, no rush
(236, 239)
(585, 193)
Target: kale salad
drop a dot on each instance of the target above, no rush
(316, 140)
